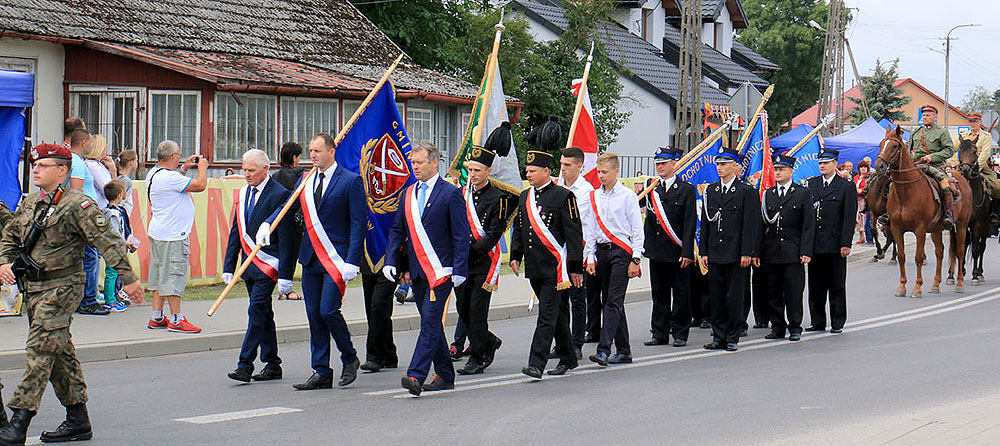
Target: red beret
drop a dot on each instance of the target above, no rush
(975, 116)
(927, 108)
(49, 151)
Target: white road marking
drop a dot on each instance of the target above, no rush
(756, 344)
(238, 415)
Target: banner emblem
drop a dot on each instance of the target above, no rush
(385, 172)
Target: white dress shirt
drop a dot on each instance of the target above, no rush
(581, 189)
(619, 211)
(827, 180)
(726, 186)
(667, 182)
(783, 188)
(326, 179)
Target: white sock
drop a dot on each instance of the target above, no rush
(176, 317)
(157, 315)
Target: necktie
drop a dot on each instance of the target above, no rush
(781, 191)
(421, 196)
(318, 193)
(251, 201)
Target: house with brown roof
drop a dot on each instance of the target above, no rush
(219, 77)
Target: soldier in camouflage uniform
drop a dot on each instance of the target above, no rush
(930, 146)
(74, 222)
(5, 215)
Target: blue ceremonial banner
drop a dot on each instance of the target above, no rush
(806, 165)
(756, 149)
(378, 148)
(11, 144)
(700, 169)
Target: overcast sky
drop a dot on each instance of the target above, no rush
(886, 29)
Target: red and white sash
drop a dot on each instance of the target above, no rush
(267, 263)
(493, 276)
(325, 251)
(607, 233)
(558, 251)
(428, 259)
(661, 216)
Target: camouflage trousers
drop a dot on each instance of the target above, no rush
(50, 352)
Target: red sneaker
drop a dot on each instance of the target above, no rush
(158, 324)
(183, 326)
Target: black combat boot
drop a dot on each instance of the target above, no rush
(16, 431)
(947, 197)
(75, 428)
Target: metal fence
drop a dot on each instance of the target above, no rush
(632, 166)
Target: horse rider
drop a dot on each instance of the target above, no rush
(984, 147)
(930, 145)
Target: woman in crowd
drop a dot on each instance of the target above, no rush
(864, 220)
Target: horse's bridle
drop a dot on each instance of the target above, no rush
(894, 161)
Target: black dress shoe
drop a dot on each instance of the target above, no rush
(836, 330)
(794, 337)
(240, 375)
(759, 325)
(600, 358)
(349, 373)
(561, 369)
(268, 374)
(400, 296)
(589, 338)
(472, 367)
(743, 333)
(715, 345)
(532, 371)
(620, 358)
(456, 352)
(705, 324)
(774, 335)
(680, 342)
(732, 347)
(316, 381)
(371, 366)
(412, 385)
(438, 383)
(815, 328)
(492, 353)
(657, 341)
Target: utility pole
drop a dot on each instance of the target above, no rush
(688, 114)
(854, 66)
(831, 88)
(947, 68)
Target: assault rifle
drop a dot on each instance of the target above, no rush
(24, 266)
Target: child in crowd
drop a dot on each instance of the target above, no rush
(118, 216)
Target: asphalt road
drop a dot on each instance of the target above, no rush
(897, 357)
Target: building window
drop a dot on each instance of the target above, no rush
(174, 115)
(418, 124)
(111, 112)
(349, 108)
(238, 128)
(303, 118)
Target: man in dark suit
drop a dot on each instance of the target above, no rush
(434, 227)
(548, 235)
(487, 212)
(335, 213)
(257, 201)
(669, 246)
(729, 230)
(787, 234)
(836, 203)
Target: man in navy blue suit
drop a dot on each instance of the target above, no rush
(335, 213)
(257, 201)
(433, 225)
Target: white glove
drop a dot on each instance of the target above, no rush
(263, 234)
(284, 286)
(227, 277)
(389, 272)
(350, 272)
(457, 280)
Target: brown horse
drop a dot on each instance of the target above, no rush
(912, 208)
(876, 197)
(979, 227)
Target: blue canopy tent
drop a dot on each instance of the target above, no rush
(858, 143)
(885, 123)
(790, 138)
(17, 93)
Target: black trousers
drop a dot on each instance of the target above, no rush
(578, 313)
(755, 297)
(473, 305)
(828, 278)
(378, 309)
(595, 304)
(700, 308)
(552, 323)
(612, 274)
(727, 284)
(785, 282)
(671, 289)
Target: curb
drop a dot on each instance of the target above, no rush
(111, 351)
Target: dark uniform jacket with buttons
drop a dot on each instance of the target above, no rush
(679, 203)
(794, 221)
(562, 216)
(730, 223)
(836, 211)
(494, 207)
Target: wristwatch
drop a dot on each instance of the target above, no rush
(636, 260)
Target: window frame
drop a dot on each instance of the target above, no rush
(223, 93)
(151, 150)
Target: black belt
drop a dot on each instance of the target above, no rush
(605, 245)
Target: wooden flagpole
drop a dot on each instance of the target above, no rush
(302, 184)
(745, 136)
(825, 122)
(579, 97)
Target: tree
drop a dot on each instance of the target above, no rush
(979, 99)
(884, 99)
(779, 30)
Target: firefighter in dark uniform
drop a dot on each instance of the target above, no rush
(669, 246)
(550, 265)
(491, 207)
(836, 202)
(730, 220)
(787, 234)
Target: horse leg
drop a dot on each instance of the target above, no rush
(918, 259)
(895, 252)
(879, 250)
(951, 259)
(958, 238)
(938, 239)
(978, 252)
(901, 289)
